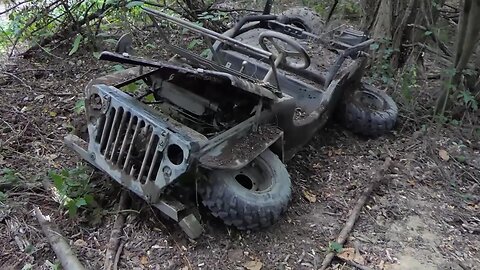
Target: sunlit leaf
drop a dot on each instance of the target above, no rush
(80, 202)
(194, 43)
(374, 46)
(79, 106)
(118, 67)
(335, 247)
(133, 4)
(76, 44)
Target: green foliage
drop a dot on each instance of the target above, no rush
(381, 68)
(3, 196)
(347, 8)
(335, 247)
(321, 7)
(9, 176)
(408, 81)
(27, 266)
(194, 43)
(468, 100)
(214, 16)
(82, 19)
(133, 87)
(118, 67)
(56, 266)
(73, 186)
(79, 106)
(350, 8)
(76, 44)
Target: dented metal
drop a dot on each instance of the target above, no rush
(137, 147)
(207, 115)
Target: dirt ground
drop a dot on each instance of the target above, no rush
(425, 216)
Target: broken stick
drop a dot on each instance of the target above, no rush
(63, 251)
(342, 237)
(112, 247)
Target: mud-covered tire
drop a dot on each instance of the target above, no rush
(249, 207)
(304, 18)
(368, 111)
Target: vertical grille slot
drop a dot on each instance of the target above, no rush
(122, 132)
(126, 141)
(128, 166)
(155, 164)
(150, 152)
(101, 123)
(106, 129)
(113, 131)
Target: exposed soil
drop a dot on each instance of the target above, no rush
(427, 216)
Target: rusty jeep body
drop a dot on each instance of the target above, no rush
(222, 124)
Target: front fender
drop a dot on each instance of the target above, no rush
(239, 150)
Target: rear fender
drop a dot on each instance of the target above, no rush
(239, 150)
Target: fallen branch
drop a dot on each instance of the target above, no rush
(18, 79)
(63, 251)
(330, 12)
(342, 237)
(354, 264)
(434, 37)
(117, 256)
(113, 251)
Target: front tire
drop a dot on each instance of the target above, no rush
(250, 198)
(368, 111)
(303, 18)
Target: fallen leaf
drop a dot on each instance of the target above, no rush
(309, 196)
(253, 265)
(388, 266)
(349, 254)
(444, 155)
(461, 159)
(53, 114)
(144, 260)
(52, 156)
(80, 243)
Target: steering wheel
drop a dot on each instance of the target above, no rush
(288, 47)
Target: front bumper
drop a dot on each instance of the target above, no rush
(187, 218)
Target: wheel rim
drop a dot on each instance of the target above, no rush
(255, 177)
(370, 100)
(300, 24)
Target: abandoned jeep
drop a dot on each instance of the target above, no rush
(221, 124)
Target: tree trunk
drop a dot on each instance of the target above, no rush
(397, 23)
(467, 39)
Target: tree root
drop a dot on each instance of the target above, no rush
(342, 237)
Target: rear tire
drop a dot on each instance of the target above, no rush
(368, 111)
(250, 198)
(303, 18)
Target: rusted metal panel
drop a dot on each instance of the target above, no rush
(239, 150)
(165, 70)
(136, 146)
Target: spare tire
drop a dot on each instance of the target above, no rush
(249, 198)
(303, 18)
(368, 111)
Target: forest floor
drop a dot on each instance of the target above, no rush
(426, 216)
